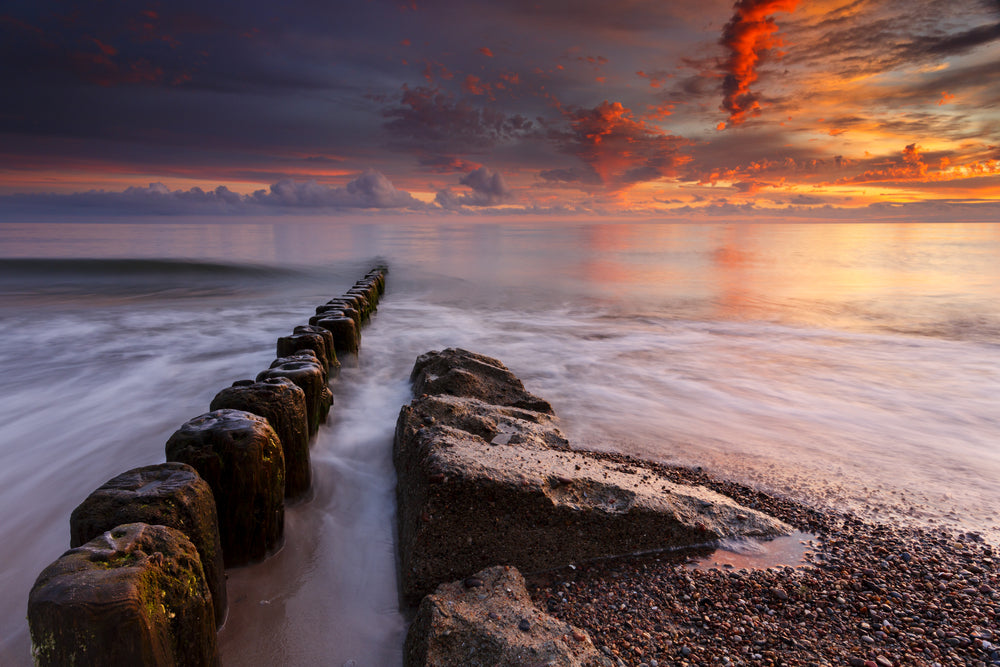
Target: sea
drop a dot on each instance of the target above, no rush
(853, 367)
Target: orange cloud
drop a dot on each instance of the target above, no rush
(620, 150)
(946, 98)
(910, 166)
(749, 36)
(486, 52)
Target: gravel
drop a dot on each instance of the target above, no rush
(865, 595)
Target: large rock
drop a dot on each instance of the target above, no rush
(457, 372)
(135, 595)
(484, 480)
(165, 494)
(489, 620)
(283, 404)
(240, 456)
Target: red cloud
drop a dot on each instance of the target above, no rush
(748, 36)
(619, 150)
(486, 52)
(475, 86)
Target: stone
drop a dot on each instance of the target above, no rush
(165, 494)
(240, 456)
(283, 404)
(346, 339)
(495, 624)
(135, 595)
(308, 375)
(457, 372)
(465, 503)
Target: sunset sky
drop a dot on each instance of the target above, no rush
(849, 109)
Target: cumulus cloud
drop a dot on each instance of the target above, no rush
(370, 190)
(488, 189)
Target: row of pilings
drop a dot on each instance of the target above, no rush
(144, 580)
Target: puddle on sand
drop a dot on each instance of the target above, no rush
(729, 554)
(745, 553)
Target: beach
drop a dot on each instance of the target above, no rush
(838, 370)
(861, 594)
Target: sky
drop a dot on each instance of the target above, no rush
(847, 109)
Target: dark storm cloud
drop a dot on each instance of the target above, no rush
(870, 37)
(955, 44)
(431, 120)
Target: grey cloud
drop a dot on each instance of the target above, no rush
(488, 189)
(370, 190)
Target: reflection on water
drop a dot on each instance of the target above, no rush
(847, 365)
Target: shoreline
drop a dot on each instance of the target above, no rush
(867, 594)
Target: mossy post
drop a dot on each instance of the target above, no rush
(334, 363)
(289, 345)
(135, 595)
(283, 404)
(165, 494)
(346, 338)
(240, 456)
(308, 374)
(337, 308)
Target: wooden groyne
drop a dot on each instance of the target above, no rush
(144, 580)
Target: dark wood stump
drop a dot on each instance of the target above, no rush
(165, 494)
(240, 456)
(283, 404)
(345, 333)
(310, 376)
(136, 595)
(290, 345)
(331, 354)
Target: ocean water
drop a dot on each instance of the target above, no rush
(849, 366)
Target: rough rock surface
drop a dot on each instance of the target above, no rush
(136, 595)
(488, 619)
(486, 478)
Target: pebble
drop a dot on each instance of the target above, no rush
(862, 581)
(523, 625)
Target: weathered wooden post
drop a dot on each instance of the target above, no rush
(283, 404)
(165, 494)
(240, 456)
(135, 595)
